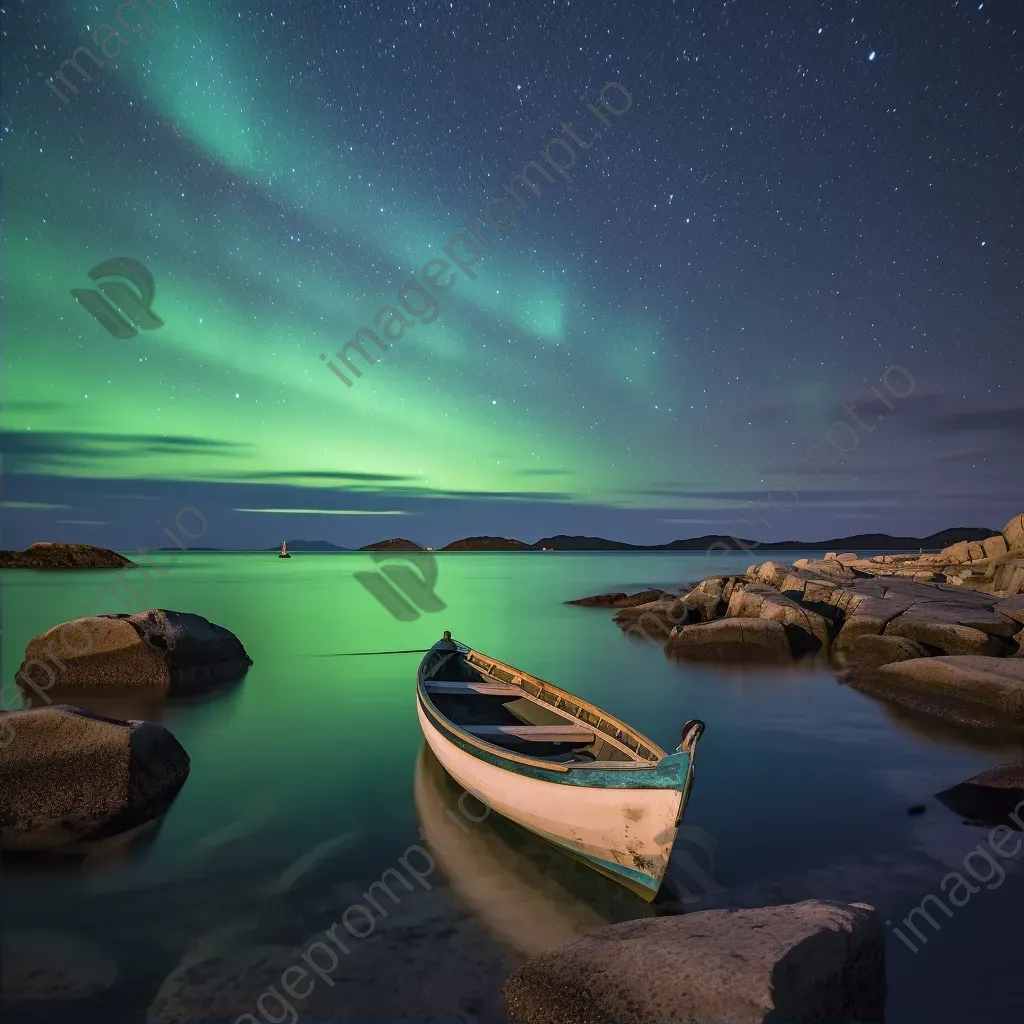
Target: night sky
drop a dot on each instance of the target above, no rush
(788, 200)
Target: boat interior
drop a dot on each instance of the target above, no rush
(547, 724)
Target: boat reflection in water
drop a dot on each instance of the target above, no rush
(528, 892)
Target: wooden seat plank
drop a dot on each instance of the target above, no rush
(432, 686)
(537, 733)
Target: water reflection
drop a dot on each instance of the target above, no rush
(141, 704)
(1004, 742)
(526, 891)
(93, 857)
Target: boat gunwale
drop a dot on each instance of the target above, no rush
(535, 762)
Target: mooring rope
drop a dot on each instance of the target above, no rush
(365, 654)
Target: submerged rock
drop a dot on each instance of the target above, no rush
(223, 984)
(995, 797)
(51, 555)
(619, 599)
(815, 961)
(68, 776)
(43, 965)
(176, 653)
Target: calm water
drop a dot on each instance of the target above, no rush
(308, 781)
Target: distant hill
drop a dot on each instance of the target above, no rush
(488, 544)
(863, 541)
(394, 544)
(885, 542)
(308, 545)
(561, 542)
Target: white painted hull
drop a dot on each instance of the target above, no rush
(627, 833)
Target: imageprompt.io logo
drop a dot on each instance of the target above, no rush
(117, 306)
(404, 591)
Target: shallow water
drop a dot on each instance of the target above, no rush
(308, 782)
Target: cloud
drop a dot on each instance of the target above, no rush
(30, 505)
(326, 511)
(32, 451)
(1008, 420)
(774, 483)
(309, 474)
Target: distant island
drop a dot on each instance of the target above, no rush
(394, 544)
(50, 555)
(488, 544)
(564, 542)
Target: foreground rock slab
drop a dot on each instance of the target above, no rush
(175, 653)
(995, 684)
(815, 961)
(68, 776)
(50, 555)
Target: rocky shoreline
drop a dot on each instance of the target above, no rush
(941, 633)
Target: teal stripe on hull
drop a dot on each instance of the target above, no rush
(640, 877)
(647, 881)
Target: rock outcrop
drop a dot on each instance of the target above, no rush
(68, 776)
(175, 653)
(50, 555)
(815, 961)
(654, 618)
(755, 641)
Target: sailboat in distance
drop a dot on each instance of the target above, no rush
(284, 550)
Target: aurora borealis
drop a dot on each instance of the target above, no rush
(800, 196)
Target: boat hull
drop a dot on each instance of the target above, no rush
(622, 828)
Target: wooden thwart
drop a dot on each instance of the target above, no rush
(485, 688)
(537, 733)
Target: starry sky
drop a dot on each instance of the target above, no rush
(797, 197)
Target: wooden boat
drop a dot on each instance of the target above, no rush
(556, 764)
(284, 550)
